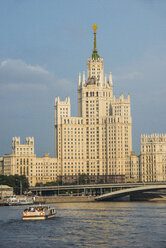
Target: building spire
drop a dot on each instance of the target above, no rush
(95, 54)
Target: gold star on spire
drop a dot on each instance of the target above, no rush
(95, 27)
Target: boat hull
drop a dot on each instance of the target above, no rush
(39, 217)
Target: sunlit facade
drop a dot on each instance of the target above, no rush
(23, 161)
(99, 141)
(153, 158)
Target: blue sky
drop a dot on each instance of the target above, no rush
(45, 44)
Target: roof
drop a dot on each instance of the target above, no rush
(5, 187)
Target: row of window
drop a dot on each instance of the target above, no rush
(92, 94)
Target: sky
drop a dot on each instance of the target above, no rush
(45, 44)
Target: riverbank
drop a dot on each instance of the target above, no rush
(68, 199)
(1, 203)
(74, 199)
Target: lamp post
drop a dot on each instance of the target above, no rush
(20, 187)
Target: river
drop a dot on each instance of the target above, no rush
(98, 224)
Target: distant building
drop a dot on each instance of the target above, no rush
(153, 158)
(99, 141)
(23, 161)
(5, 190)
(133, 169)
(1, 165)
(47, 169)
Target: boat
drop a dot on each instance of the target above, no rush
(10, 200)
(25, 200)
(18, 200)
(39, 213)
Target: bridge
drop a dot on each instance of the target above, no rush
(132, 191)
(100, 191)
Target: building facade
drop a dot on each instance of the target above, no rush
(153, 158)
(1, 165)
(133, 169)
(5, 190)
(23, 161)
(47, 169)
(99, 141)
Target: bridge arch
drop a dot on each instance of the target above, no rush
(125, 192)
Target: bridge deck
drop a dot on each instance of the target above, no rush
(91, 186)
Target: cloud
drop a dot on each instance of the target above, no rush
(27, 95)
(18, 76)
(145, 77)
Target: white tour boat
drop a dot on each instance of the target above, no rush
(39, 213)
(19, 200)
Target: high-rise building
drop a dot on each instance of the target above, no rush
(99, 141)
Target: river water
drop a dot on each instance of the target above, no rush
(99, 224)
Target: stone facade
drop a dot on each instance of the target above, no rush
(47, 169)
(153, 158)
(5, 190)
(1, 165)
(23, 161)
(133, 169)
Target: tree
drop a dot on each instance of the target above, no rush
(19, 183)
(83, 179)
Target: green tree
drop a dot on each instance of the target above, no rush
(19, 183)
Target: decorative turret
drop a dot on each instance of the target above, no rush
(79, 80)
(83, 78)
(110, 79)
(27, 148)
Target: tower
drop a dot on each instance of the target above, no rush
(99, 141)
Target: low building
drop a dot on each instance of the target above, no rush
(47, 169)
(5, 191)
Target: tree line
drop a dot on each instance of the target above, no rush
(19, 183)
